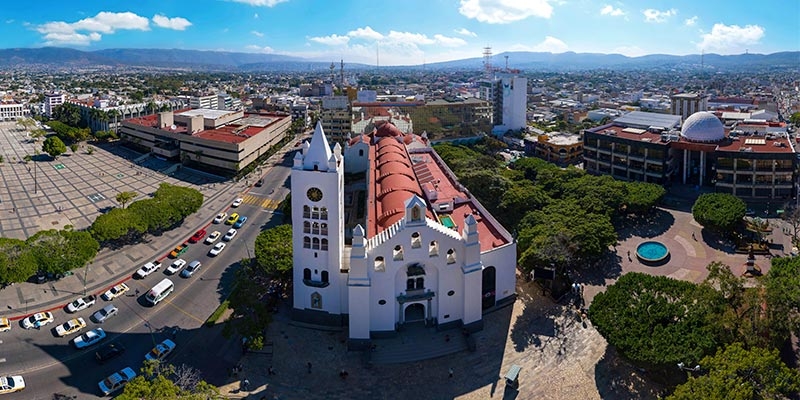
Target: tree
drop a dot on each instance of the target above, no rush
(273, 251)
(641, 197)
(74, 148)
(57, 251)
(795, 118)
(54, 146)
(249, 301)
(782, 287)
(735, 373)
(161, 381)
(67, 113)
(658, 321)
(117, 224)
(719, 211)
(520, 199)
(125, 197)
(17, 262)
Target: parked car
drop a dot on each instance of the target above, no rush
(240, 222)
(37, 320)
(11, 384)
(161, 351)
(81, 303)
(213, 237)
(260, 183)
(115, 292)
(216, 249)
(232, 219)
(70, 327)
(116, 381)
(175, 266)
(90, 338)
(191, 269)
(5, 324)
(220, 217)
(179, 250)
(105, 313)
(147, 269)
(108, 352)
(237, 202)
(230, 235)
(198, 236)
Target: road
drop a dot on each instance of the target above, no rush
(52, 365)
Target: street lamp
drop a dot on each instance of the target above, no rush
(85, 272)
(683, 367)
(147, 324)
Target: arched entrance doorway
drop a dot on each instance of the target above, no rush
(488, 293)
(414, 313)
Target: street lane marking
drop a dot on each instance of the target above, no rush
(186, 313)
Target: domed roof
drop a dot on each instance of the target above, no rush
(703, 126)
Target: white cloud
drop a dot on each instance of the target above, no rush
(551, 45)
(409, 38)
(257, 33)
(88, 30)
(690, 21)
(465, 32)
(365, 33)
(177, 23)
(449, 41)
(505, 11)
(332, 40)
(731, 38)
(260, 3)
(260, 49)
(608, 9)
(653, 15)
(9, 21)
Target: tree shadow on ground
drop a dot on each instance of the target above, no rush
(617, 379)
(645, 226)
(536, 325)
(717, 241)
(609, 266)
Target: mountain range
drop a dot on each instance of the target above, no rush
(233, 61)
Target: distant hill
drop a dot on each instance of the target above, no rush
(233, 61)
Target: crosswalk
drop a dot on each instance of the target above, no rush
(262, 202)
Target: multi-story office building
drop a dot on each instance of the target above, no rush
(559, 148)
(225, 141)
(210, 101)
(686, 104)
(10, 111)
(510, 103)
(51, 101)
(335, 117)
(452, 117)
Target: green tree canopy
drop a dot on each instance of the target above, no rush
(17, 262)
(125, 197)
(273, 250)
(596, 194)
(518, 200)
(719, 211)
(738, 374)
(118, 224)
(641, 197)
(160, 381)
(782, 287)
(54, 146)
(795, 118)
(67, 113)
(658, 321)
(249, 301)
(61, 251)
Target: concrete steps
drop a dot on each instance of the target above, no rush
(417, 344)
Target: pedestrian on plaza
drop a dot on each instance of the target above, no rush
(693, 237)
(450, 372)
(245, 384)
(309, 367)
(270, 370)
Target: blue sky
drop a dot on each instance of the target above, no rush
(407, 32)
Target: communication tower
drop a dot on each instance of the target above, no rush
(487, 61)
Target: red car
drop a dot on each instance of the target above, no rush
(198, 236)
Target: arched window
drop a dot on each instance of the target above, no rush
(314, 212)
(306, 242)
(416, 214)
(315, 228)
(361, 152)
(324, 213)
(324, 276)
(397, 254)
(324, 245)
(410, 284)
(315, 243)
(324, 228)
(306, 227)
(420, 283)
(451, 256)
(416, 241)
(380, 265)
(306, 212)
(307, 274)
(433, 249)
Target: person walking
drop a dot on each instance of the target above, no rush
(450, 372)
(309, 367)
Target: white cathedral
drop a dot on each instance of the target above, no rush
(402, 243)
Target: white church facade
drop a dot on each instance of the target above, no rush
(403, 244)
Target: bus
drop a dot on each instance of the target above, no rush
(159, 292)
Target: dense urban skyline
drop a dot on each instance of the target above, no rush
(369, 32)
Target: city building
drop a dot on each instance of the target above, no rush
(51, 101)
(219, 140)
(12, 111)
(686, 104)
(510, 103)
(756, 165)
(452, 117)
(559, 148)
(335, 117)
(210, 101)
(399, 243)
(103, 115)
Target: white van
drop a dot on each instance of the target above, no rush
(159, 292)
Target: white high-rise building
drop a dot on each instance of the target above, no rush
(510, 103)
(51, 101)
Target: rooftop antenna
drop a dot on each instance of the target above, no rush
(506, 63)
(487, 61)
(333, 74)
(341, 71)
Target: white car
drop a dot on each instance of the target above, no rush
(70, 327)
(105, 313)
(148, 269)
(81, 303)
(37, 320)
(116, 381)
(237, 202)
(229, 236)
(89, 338)
(161, 351)
(11, 384)
(216, 249)
(213, 237)
(220, 217)
(115, 292)
(175, 266)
